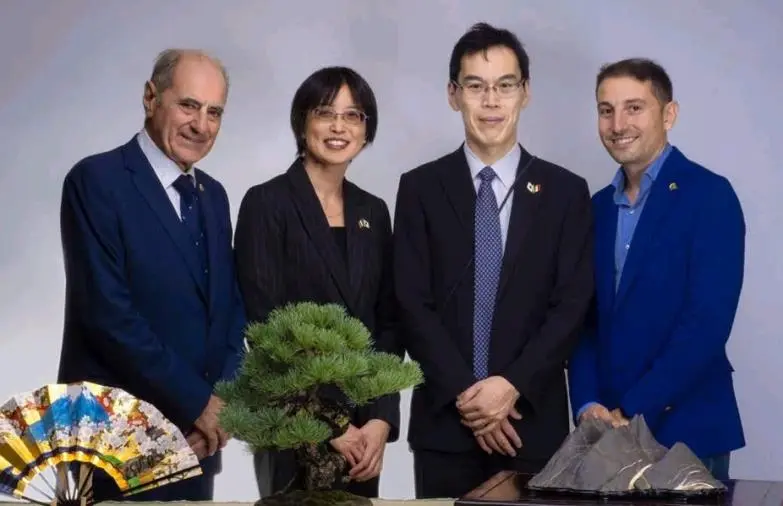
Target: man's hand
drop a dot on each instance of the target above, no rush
(618, 415)
(209, 426)
(503, 439)
(350, 445)
(600, 411)
(487, 403)
(198, 443)
(375, 434)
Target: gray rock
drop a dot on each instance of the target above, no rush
(600, 459)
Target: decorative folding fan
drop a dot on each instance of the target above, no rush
(52, 439)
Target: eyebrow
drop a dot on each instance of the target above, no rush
(471, 77)
(625, 102)
(191, 100)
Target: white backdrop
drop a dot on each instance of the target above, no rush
(71, 84)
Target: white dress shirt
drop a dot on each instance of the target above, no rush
(166, 170)
(506, 171)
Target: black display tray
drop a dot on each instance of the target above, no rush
(509, 488)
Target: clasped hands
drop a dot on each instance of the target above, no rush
(208, 437)
(485, 409)
(363, 448)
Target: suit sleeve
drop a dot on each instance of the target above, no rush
(235, 341)
(426, 339)
(95, 266)
(715, 276)
(583, 367)
(387, 408)
(545, 355)
(259, 256)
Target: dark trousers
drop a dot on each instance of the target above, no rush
(718, 466)
(276, 470)
(439, 475)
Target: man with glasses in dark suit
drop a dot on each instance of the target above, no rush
(493, 272)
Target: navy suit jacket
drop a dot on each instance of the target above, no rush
(136, 314)
(656, 346)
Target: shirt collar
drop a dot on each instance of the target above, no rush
(505, 168)
(164, 167)
(648, 177)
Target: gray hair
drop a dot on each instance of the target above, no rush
(167, 61)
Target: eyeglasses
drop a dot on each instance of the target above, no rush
(505, 88)
(352, 117)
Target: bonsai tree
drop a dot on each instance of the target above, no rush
(307, 366)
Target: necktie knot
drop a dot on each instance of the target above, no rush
(184, 185)
(487, 174)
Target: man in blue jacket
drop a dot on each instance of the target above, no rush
(152, 302)
(669, 259)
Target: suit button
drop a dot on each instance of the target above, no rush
(667, 408)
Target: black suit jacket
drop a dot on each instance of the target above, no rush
(286, 252)
(545, 288)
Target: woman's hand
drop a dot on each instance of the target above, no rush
(375, 434)
(350, 445)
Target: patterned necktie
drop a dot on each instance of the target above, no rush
(488, 250)
(190, 212)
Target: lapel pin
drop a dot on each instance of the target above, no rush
(201, 187)
(533, 188)
(364, 223)
(672, 186)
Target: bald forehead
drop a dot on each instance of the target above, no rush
(201, 78)
(194, 63)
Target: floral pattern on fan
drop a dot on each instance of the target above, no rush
(107, 427)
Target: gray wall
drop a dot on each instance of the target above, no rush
(71, 84)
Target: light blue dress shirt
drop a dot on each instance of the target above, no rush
(628, 214)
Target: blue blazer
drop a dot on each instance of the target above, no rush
(657, 345)
(137, 315)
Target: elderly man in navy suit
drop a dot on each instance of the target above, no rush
(152, 302)
(669, 260)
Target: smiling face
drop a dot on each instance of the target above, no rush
(632, 122)
(184, 119)
(490, 94)
(335, 133)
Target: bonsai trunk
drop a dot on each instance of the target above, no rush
(323, 476)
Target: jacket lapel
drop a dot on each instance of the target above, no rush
(358, 227)
(605, 237)
(211, 230)
(153, 192)
(317, 228)
(660, 200)
(458, 185)
(523, 211)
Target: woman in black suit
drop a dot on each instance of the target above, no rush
(311, 235)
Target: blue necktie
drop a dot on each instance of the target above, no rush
(190, 212)
(488, 250)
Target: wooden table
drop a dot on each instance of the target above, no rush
(507, 489)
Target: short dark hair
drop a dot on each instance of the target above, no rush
(320, 89)
(479, 38)
(643, 70)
